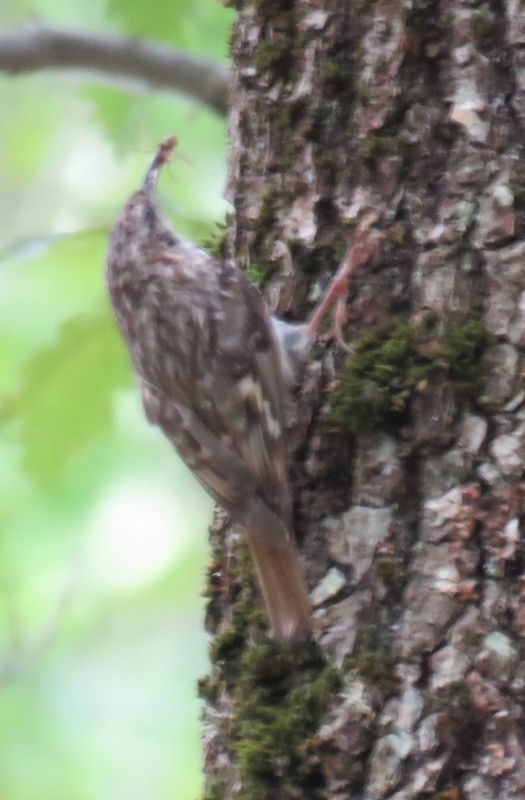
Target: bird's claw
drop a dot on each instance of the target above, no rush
(363, 247)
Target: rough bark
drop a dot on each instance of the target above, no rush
(409, 457)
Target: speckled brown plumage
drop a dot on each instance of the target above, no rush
(210, 367)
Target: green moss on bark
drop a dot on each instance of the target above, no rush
(270, 200)
(336, 76)
(377, 146)
(376, 384)
(258, 275)
(261, 269)
(271, 56)
(216, 788)
(462, 346)
(215, 243)
(390, 571)
(313, 260)
(484, 27)
(280, 692)
(280, 699)
(374, 660)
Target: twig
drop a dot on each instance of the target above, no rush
(35, 47)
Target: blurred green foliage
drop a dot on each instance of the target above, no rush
(103, 532)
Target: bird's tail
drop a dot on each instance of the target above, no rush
(278, 568)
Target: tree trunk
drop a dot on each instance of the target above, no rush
(409, 507)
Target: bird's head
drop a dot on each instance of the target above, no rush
(141, 225)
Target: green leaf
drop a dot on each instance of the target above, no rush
(159, 19)
(14, 11)
(65, 398)
(116, 112)
(43, 283)
(187, 24)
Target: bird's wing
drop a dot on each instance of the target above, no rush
(226, 477)
(220, 363)
(250, 384)
(217, 467)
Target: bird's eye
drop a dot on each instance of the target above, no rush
(149, 217)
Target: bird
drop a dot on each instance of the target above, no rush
(215, 371)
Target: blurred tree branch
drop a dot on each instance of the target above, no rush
(36, 47)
